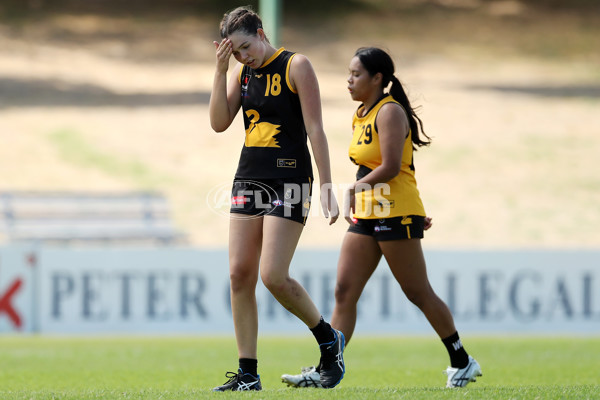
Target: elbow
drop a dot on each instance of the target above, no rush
(218, 127)
(391, 171)
(219, 121)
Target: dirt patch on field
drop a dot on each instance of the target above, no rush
(516, 126)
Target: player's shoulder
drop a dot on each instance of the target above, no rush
(301, 66)
(300, 61)
(390, 106)
(391, 113)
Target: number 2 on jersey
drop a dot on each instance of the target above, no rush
(273, 85)
(366, 131)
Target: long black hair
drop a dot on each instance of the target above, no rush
(375, 61)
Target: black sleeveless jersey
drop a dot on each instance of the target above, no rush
(276, 139)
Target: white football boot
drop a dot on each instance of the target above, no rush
(459, 377)
(309, 377)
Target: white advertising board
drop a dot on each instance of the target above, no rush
(498, 292)
(134, 291)
(17, 289)
(170, 290)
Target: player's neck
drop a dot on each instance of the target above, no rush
(369, 103)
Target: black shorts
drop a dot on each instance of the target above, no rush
(286, 198)
(396, 228)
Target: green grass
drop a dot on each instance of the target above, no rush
(377, 367)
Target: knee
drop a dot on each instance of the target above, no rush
(241, 279)
(274, 283)
(342, 294)
(414, 297)
(418, 296)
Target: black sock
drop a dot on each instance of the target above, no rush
(323, 332)
(458, 356)
(249, 366)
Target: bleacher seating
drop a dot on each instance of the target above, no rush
(68, 217)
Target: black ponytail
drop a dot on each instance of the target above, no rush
(378, 61)
(415, 123)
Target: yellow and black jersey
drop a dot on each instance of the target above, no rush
(400, 197)
(275, 145)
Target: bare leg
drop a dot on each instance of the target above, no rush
(407, 263)
(280, 237)
(245, 238)
(359, 258)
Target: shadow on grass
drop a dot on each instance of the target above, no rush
(15, 92)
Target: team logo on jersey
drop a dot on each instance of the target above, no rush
(286, 163)
(245, 82)
(260, 134)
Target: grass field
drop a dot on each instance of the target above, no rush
(377, 367)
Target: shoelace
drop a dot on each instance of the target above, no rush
(231, 375)
(307, 370)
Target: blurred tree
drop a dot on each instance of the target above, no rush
(24, 8)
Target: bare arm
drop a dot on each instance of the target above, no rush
(225, 100)
(392, 128)
(304, 79)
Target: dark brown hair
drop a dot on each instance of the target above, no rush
(241, 19)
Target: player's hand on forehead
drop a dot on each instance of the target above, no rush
(224, 50)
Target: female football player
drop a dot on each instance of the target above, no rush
(278, 93)
(385, 212)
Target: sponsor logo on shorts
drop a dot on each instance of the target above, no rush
(239, 200)
(382, 228)
(221, 200)
(278, 203)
